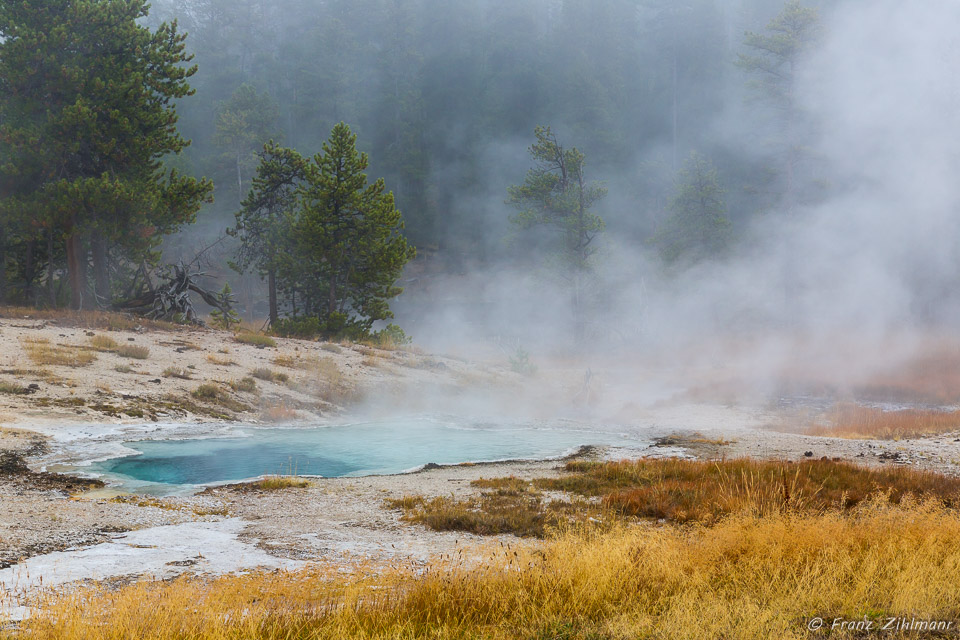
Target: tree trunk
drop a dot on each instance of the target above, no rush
(3, 270)
(239, 181)
(332, 301)
(76, 269)
(51, 293)
(272, 286)
(101, 275)
(29, 272)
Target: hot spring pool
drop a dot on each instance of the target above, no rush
(384, 447)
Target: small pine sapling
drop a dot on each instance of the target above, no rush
(224, 316)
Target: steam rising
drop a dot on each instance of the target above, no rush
(875, 253)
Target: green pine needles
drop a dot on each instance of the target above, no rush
(329, 244)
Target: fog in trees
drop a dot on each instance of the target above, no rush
(768, 167)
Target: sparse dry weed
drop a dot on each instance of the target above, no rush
(41, 353)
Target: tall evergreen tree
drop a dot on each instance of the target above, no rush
(696, 226)
(773, 60)
(350, 243)
(88, 116)
(244, 124)
(556, 194)
(266, 216)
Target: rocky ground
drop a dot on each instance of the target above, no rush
(67, 394)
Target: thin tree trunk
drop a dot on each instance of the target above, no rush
(332, 297)
(101, 275)
(272, 286)
(29, 272)
(239, 181)
(76, 268)
(51, 293)
(3, 270)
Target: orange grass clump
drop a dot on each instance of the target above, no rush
(748, 577)
(855, 421)
(700, 491)
(678, 491)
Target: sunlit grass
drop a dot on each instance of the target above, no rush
(278, 482)
(103, 343)
(137, 352)
(224, 362)
(680, 491)
(41, 353)
(747, 577)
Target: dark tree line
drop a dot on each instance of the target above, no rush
(94, 171)
(433, 87)
(87, 116)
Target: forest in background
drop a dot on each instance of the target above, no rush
(444, 97)
(755, 158)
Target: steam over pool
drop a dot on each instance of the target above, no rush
(349, 450)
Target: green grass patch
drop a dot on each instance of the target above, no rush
(255, 339)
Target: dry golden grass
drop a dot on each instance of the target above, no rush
(169, 505)
(41, 353)
(244, 385)
(12, 388)
(275, 483)
(137, 352)
(255, 339)
(268, 375)
(523, 515)
(746, 578)
(213, 393)
(699, 491)
(103, 343)
(855, 421)
(105, 320)
(284, 360)
(206, 391)
(679, 491)
(177, 372)
(223, 362)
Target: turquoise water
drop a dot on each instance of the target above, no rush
(350, 450)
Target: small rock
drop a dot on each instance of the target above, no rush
(808, 454)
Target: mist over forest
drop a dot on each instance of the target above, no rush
(766, 166)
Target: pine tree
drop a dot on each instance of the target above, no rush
(244, 123)
(696, 227)
(773, 61)
(88, 114)
(225, 316)
(349, 238)
(263, 222)
(556, 194)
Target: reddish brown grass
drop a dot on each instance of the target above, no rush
(855, 421)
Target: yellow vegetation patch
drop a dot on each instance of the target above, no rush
(748, 577)
(103, 343)
(274, 483)
(41, 353)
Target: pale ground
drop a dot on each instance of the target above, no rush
(49, 528)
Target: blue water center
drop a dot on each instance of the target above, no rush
(369, 448)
